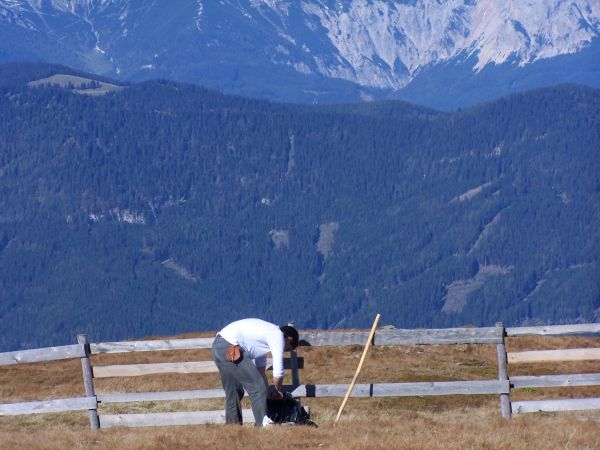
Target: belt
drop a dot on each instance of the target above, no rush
(219, 336)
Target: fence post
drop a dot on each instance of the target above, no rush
(294, 365)
(88, 380)
(503, 372)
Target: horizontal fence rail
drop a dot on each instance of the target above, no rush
(168, 418)
(48, 406)
(555, 330)
(443, 336)
(320, 339)
(147, 346)
(405, 389)
(42, 354)
(534, 381)
(571, 404)
(570, 354)
(129, 397)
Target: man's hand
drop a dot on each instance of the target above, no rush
(274, 393)
(275, 390)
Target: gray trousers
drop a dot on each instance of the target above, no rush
(235, 378)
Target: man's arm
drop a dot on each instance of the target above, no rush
(277, 383)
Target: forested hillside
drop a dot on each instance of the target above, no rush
(164, 208)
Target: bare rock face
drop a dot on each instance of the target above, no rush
(309, 50)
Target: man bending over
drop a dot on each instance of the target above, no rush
(233, 350)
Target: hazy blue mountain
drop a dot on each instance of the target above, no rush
(445, 54)
(158, 208)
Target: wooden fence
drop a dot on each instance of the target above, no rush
(501, 386)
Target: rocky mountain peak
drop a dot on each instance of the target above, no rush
(373, 44)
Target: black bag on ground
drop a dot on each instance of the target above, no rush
(288, 410)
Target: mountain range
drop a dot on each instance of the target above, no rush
(444, 54)
(156, 208)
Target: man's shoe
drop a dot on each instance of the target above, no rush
(267, 422)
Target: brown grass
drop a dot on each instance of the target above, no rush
(450, 422)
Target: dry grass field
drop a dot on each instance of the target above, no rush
(449, 422)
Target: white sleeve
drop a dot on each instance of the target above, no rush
(276, 345)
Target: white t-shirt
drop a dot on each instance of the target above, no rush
(257, 338)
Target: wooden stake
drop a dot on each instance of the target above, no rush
(360, 364)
